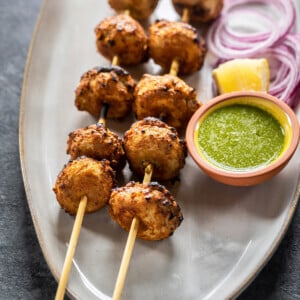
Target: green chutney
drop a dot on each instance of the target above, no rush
(240, 137)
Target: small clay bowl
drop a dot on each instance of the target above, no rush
(277, 108)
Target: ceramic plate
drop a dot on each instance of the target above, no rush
(228, 233)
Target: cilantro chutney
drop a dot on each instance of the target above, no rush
(240, 137)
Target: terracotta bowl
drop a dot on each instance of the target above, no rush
(277, 108)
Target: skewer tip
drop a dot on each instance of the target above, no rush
(115, 60)
(185, 15)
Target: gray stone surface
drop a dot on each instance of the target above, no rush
(23, 271)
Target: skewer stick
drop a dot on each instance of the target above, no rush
(174, 69)
(103, 114)
(148, 174)
(71, 249)
(115, 60)
(129, 245)
(185, 15)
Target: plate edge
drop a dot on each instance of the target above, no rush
(26, 73)
(242, 287)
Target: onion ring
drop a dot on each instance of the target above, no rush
(253, 43)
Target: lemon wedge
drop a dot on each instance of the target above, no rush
(245, 74)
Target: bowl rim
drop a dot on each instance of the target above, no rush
(228, 174)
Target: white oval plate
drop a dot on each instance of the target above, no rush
(228, 233)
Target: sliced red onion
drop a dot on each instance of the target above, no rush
(287, 79)
(225, 43)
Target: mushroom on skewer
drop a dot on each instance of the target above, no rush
(139, 9)
(123, 37)
(98, 142)
(84, 177)
(199, 10)
(145, 206)
(83, 186)
(151, 141)
(151, 203)
(111, 85)
(176, 40)
(166, 97)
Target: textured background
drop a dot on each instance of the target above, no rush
(23, 271)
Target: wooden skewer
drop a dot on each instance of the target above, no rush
(71, 249)
(129, 245)
(115, 60)
(185, 15)
(174, 69)
(103, 113)
(76, 230)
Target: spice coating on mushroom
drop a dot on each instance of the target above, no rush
(176, 40)
(98, 142)
(199, 10)
(166, 97)
(112, 85)
(152, 204)
(139, 9)
(84, 177)
(151, 141)
(124, 37)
